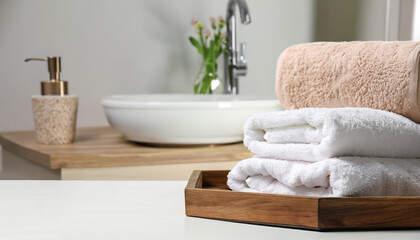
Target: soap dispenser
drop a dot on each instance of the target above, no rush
(55, 111)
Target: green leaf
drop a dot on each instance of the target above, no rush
(204, 46)
(218, 44)
(211, 53)
(196, 44)
(220, 52)
(197, 88)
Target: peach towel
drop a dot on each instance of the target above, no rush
(379, 75)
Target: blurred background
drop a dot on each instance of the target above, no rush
(141, 46)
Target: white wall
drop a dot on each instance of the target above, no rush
(416, 21)
(371, 20)
(362, 20)
(127, 46)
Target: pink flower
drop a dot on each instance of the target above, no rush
(208, 33)
(194, 20)
(223, 35)
(212, 20)
(221, 21)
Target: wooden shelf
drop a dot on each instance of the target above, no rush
(105, 147)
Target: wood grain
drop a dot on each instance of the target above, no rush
(195, 180)
(369, 212)
(206, 196)
(214, 179)
(163, 172)
(247, 207)
(106, 147)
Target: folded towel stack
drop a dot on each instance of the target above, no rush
(330, 152)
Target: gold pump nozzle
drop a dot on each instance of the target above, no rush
(54, 86)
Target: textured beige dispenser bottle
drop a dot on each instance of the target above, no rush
(55, 112)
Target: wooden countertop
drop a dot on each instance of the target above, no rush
(105, 147)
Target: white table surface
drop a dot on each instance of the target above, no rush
(129, 210)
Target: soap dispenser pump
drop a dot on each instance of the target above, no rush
(55, 86)
(55, 112)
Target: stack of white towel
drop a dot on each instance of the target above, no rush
(330, 152)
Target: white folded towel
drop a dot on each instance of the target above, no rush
(334, 177)
(314, 134)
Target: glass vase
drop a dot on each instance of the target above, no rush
(207, 80)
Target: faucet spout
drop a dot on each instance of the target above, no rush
(235, 63)
(243, 10)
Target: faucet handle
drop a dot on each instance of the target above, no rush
(240, 67)
(242, 50)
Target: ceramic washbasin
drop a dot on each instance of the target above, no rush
(184, 118)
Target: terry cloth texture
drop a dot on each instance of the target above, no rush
(380, 75)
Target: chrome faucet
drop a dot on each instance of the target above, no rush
(235, 62)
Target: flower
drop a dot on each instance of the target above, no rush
(221, 21)
(210, 44)
(198, 26)
(207, 33)
(194, 20)
(213, 22)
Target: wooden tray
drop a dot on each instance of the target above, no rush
(207, 196)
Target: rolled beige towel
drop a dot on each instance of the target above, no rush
(379, 75)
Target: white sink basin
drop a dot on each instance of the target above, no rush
(183, 119)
